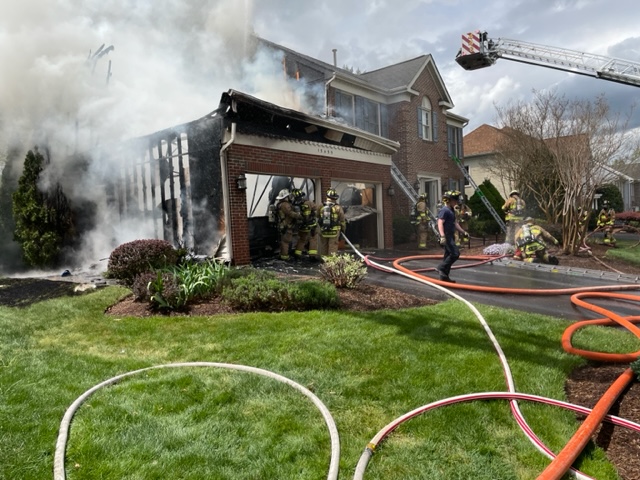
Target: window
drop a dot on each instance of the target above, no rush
(363, 113)
(427, 121)
(367, 115)
(344, 107)
(454, 140)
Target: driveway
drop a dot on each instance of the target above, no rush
(513, 274)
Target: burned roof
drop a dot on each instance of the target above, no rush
(258, 117)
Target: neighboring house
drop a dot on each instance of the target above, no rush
(407, 102)
(632, 170)
(482, 155)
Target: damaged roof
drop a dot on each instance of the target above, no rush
(259, 117)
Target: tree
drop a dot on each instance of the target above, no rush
(35, 220)
(612, 195)
(556, 150)
(484, 223)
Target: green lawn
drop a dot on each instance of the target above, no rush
(627, 248)
(198, 422)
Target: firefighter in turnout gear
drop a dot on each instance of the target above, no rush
(331, 221)
(463, 215)
(422, 220)
(288, 218)
(530, 240)
(606, 219)
(307, 226)
(514, 210)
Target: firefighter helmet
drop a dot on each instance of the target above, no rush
(528, 220)
(451, 195)
(332, 194)
(284, 193)
(514, 192)
(297, 194)
(423, 196)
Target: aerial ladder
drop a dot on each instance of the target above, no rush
(480, 51)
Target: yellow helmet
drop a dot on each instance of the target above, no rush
(332, 194)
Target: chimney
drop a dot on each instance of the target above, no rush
(335, 57)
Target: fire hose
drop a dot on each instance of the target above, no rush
(58, 463)
(561, 463)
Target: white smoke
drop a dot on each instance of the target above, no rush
(162, 63)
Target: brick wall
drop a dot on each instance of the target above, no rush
(258, 160)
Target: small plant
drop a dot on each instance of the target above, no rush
(200, 280)
(165, 293)
(132, 258)
(343, 271)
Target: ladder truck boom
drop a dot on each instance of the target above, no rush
(480, 51)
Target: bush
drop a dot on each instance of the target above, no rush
(255, 291)
(248, 293)
(343, 271)
(315, 295)
(139, 256)
(402, 230)
(140, 286)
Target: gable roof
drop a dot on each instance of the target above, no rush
(388, 80)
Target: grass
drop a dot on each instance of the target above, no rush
(367, 368)
(627, 249)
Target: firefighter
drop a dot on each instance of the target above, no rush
(422, 220)
(514, 210)
(447, 228)
(307, 226)
(331, 221)
(287, 220)
(463, 215)
(530, 240)
(606, 219)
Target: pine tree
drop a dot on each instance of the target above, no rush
(486, 223)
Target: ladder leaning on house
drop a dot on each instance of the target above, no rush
(484, 199)
(411, 193)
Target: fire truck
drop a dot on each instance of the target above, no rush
(480, 51)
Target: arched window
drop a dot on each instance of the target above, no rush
(426, 121)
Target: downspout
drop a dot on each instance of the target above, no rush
(326, 95)
(225, 187)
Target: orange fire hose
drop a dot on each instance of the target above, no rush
(563, 461)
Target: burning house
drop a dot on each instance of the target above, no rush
(207, 184)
